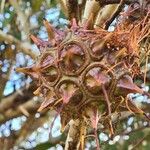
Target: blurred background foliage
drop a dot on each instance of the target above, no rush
(21, 127)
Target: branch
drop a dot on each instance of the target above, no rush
(51, 143)
(139, 142)
(144, 129)
(29, 127)
(31, 107)
(16, 137)
(17, 98)
(4, 79)
(23, 19)
(24, 47)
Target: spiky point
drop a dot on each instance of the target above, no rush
(83, 72)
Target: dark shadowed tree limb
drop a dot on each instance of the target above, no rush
(19, 103)
(19, 97)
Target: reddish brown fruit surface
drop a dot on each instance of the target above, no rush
(81, 69)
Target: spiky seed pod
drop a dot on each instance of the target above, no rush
(81, 70)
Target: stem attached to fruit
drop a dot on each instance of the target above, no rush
(73, 140)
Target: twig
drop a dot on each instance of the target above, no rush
(109, 109)
(122, 133)
(25, 48)
(107, 100)
(97, 141)
(139, 142)
(31, 106)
